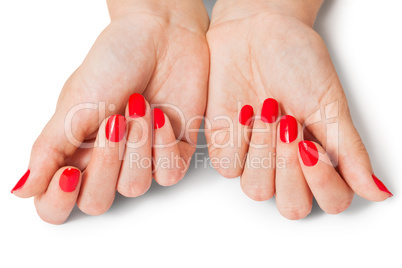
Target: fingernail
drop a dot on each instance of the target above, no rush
(69, 179)
(159, 118)
(115, 128)
(381, 186)
(269, 111)
(246, 113)
(136, 105)
(288, 129)
(308, 153)
(21, 182)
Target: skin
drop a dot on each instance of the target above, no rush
(268, 49)
(150, 48)
(258, 49)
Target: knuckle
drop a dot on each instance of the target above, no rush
(258, 191)
(169, 177)
(259, 140)
(229, 173)
(295, 212)
(136, 132)
(258, 194)
(291, 160)
(43, 151)
(50, 218)
(360, 148)
(340, 207)
(134, 189)
(94, 208)
(319, 182)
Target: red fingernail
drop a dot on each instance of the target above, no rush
(136, 105)
(308, 153)
(269, 112)
(159, 118)
(69, 179)
(21, 182)
(288, 129)
(381, 186)
(115, 128)
(246, 114)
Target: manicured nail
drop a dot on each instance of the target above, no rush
(381, 186)
(69, 179)
(288, 129)
(269, 111)
(136, 106)
(246, 114)
(21, 182)
(115, 128)
(159, 118)
(308, 153)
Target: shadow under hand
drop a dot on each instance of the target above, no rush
(209, 4)
(358, 205)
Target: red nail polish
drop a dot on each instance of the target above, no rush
(159, 118)
(136, 106)
(69, 179)
(246, 114)
(308, 153)
(288, 129)
(21, 182)
(269, 111)
(381, 186)
(115, 128)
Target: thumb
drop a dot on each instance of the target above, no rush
(60, 138)
(102, 76)
(345, 147)
(355, 166)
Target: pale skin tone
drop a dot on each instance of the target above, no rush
(161, 49)
(262, 49)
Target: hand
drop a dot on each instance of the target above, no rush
(154, 48)
(264, 49)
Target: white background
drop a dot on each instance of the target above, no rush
(205, 220)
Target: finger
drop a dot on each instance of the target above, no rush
(332, 193)
(293, 196)
(55, 205)
(136, 171)
(258, 178)
(80, 158)
(228, 146)
(343, 144)
(48, 154)
(100, 178)
(169, 165)
(77, 115)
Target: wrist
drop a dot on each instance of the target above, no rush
(188, 13)
(303, 10)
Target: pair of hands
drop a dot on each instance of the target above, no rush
(167, 51)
